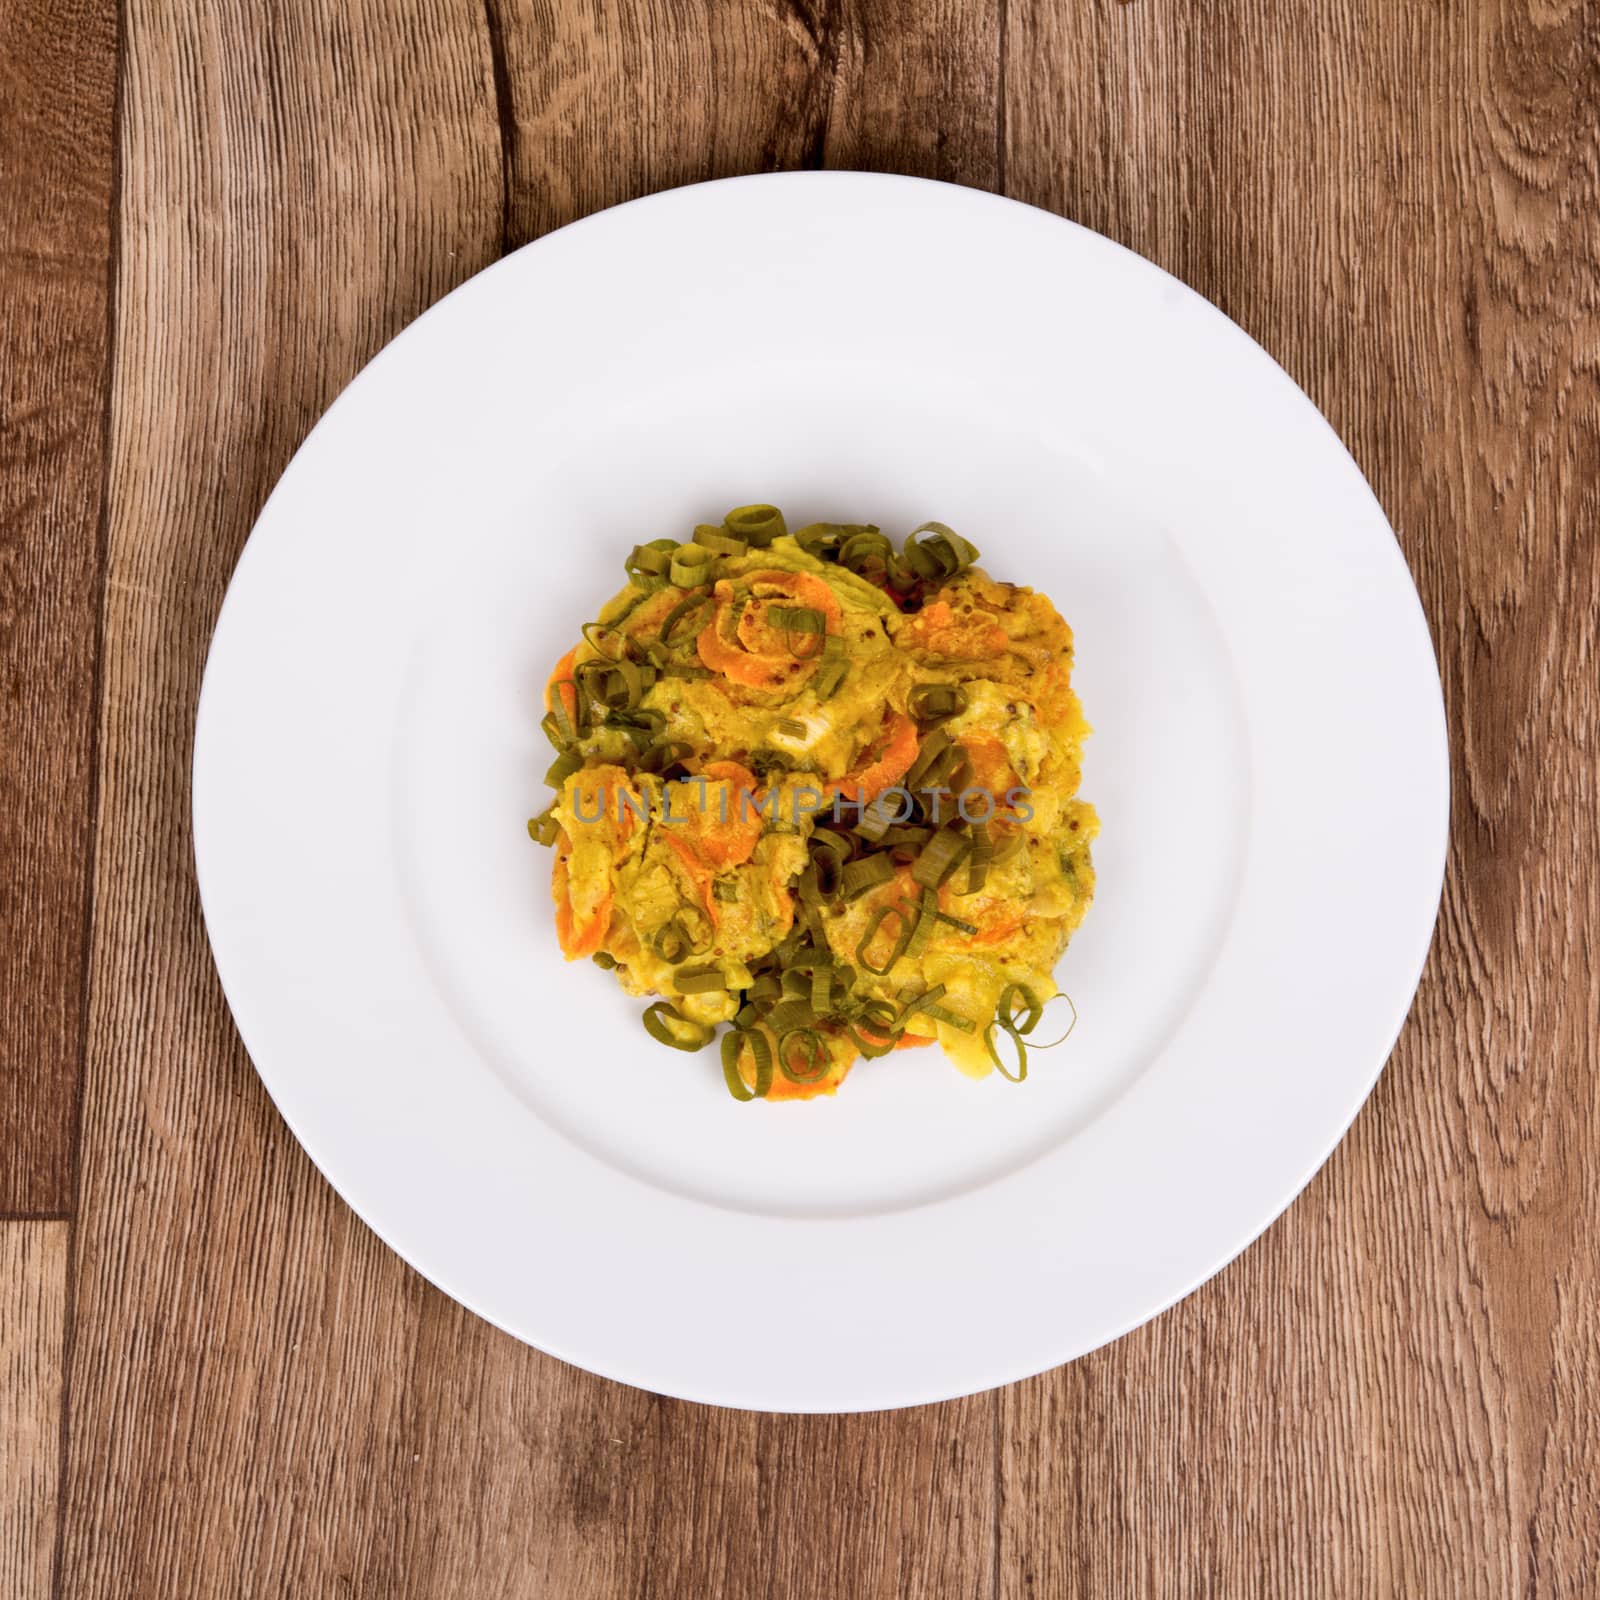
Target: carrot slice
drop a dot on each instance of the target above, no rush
(751, 650)
(569, 692)
(579, 937)
(937, 629)
(867, 780)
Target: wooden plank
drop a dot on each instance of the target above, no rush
(1392, 1392)
(602, 102)
(264, 1400)
(33, 1329)
(57, 71)
(300, 179)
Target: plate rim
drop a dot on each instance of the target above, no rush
(1000, 1373)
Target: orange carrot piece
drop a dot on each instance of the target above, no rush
(577, 940)
(569, 692)
(868, 780)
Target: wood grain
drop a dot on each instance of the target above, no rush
(1389, 1395)
(264, 1400)
(1393, 1392)
(56, 82)
(605, 100)
(33, 1297)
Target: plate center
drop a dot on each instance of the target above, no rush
(1166, 767)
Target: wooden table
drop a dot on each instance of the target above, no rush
(213, 1380)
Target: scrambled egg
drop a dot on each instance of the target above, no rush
(722, 741)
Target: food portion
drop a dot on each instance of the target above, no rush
(824, 791)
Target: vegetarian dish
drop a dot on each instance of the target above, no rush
(824, 791)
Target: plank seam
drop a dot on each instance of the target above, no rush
(505, 117)
(69, 1318)
(1000, 98)
(995, 1508)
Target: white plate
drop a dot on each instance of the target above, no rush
(1269, 764)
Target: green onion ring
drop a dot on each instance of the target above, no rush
(719, 542)
(865, 874)
(649, 560)
(699, 980)
(935, 702)
(994, 1054)
(817, 1048)
(1070, 1026)
(922, 928)
(658, 1023)
(692, 564)
(939, 857)
(562, 768)
(733, 1043)
(901, 944)
(694, 603)
(791, 1014)
(757, 525)
(1006, 1012)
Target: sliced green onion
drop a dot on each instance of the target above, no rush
(790, 727)
(641, 727)
(798, 619)
(674, 939)
(562, 768)
(1070, 1026)
(931, 748)
(981, 854)
(829, 676)
(604, 960)
(691, 564)
(922, 929)
(1006, 1012)
(725, 889)
(822, 981)
(919, 1002)
(733, 1046)
(994, 1054)
(719, 542)
(907, 834)
(698, 980)
(544, 829)
(934, 702)
(659, 759)
(901, 944)
(939, 858)
(968, 928)
(1007, 846)
(800, 623)
(866, 552)
(817, 1050)
(876, 818)
(693, 605)
(941, 555)
(649, 560)
(618, 685)
(791, 1014)
(951, 1019)
(667, 1025)
(594, 632)
(768, 987)
(867, 873)
(758, 525)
